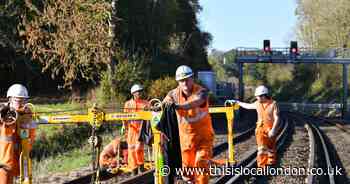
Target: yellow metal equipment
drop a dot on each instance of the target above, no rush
(96, 117)
(229, 111)
(25, 159)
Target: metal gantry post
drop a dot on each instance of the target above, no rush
(345, 90)
(240, 81)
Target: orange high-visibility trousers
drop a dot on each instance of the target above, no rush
(266, 146)
(199, 157)
(5, 177)
(135, 147)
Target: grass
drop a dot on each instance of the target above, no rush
(53, 109)
(66, 107)
(63, 148)
(67, 161)
(63, 162)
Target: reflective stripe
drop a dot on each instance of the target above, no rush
(7, 138)
(44, 120)
(198, 117)
(134, 145)
(30, 125)
(131, 146)
(262, 147)
(262, 152)
(265, 150)
(5, 167)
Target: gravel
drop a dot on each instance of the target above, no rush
(295, 154)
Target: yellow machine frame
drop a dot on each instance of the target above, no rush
(229, 111)
(96, 117)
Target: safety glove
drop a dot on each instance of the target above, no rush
(8, 115)
(95, 141)
(122, 130)
(272, 133)
(231, 102)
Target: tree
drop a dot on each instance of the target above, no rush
(324, 24)
(15, 65)
(217, 67)
(70, 38)
(163, 32)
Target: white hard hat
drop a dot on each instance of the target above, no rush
(136, 87)
(261, 90)
(183, 72)
(17, 90)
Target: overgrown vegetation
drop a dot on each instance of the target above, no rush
(70, 38)
(57, 147)
(160, 88)
(75, 41)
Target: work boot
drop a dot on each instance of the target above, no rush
(134, 172)
(141, 169)
(184, 180)
(250, 180)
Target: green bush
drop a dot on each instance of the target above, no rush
(105, 92)
(64, 138)
(213, 100)
(115, 86)
(160, 87)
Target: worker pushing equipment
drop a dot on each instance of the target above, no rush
(195, 125)
(266, 126)
(17, 134)
(111, 154)
(133, 128)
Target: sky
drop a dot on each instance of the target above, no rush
(246, 23)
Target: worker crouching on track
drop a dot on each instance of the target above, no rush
(195, 125)
(133, 128)
(10, 137)
(109, 155)
(266, 126)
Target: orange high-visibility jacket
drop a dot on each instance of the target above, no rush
(134, 126)
(195, 123)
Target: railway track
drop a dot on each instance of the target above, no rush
(319, 152)
(318, 155)
(336, 140)
(147, 177)
(249, 160)
(293, 155)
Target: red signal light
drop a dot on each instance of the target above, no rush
(294, 47)
(267, 46)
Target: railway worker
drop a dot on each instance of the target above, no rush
(108, 156)
(10, 137)
(266, 126)
(133, 128)
(195, 125)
